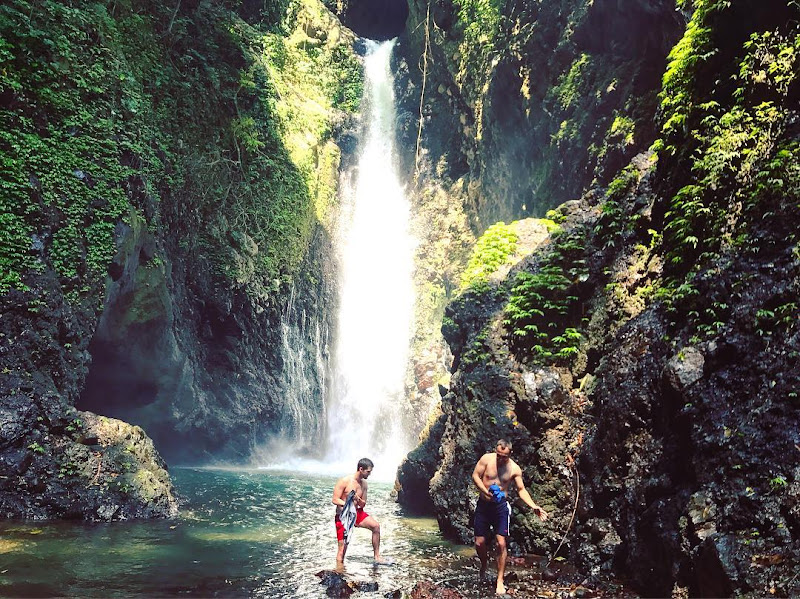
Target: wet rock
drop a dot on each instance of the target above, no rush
(685, 368)
(549, 574)
(15, 417)
(701, 511)
(599, 543)
(107, 512)
(417, 469)
(336, 585)
(715, 568)
(429, 590)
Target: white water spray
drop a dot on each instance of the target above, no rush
(377, 298)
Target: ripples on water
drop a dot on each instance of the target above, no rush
(240, 533)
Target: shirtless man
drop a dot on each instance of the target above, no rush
(357, 482)
(492, 475)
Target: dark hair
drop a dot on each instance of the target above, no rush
(504, 444)
(364, 463)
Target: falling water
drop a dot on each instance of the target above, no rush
(376, 308)
(303, 342)
(365, 401)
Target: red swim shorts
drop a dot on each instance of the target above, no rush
(360, 516)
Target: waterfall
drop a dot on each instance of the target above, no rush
(365, 415)
(365, 403)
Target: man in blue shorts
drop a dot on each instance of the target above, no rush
(492, 475)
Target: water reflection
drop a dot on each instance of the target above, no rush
(240, 534)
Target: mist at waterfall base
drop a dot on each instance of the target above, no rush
(364, 410)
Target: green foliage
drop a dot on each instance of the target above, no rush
(481, 19)
(542, 306)
(676, 101)
(623, 127)
(781, 315)
(36, 447)
(572, 86)
(555, 217)
(478, 352)
(109, 107)
(612, 222)
(494, 249)
(68, 468)
(73, 104)
(75, 426)
(347, 86)
(729, 131)
(778, 483)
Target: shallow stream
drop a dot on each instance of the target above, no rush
(240, 533)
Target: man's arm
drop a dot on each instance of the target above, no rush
(477, 477)
(526, 497)
(338, 491)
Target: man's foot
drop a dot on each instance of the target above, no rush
(502, 590)
(383, 561)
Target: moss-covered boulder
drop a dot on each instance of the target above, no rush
(87, 467)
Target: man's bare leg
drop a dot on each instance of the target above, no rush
(502, 552)
(372, 524)
(340, 555)
(483, 555)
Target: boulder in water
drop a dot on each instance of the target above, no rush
(336, 584)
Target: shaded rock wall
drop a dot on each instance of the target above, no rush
(531, 102)
(679, 447)
(201, 367)
(498, 130)
(372, 19)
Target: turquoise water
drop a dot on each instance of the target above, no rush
(240, 533)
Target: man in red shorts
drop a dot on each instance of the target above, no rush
(356, 482)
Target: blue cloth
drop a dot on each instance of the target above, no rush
(498, 493)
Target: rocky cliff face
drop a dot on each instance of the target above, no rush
(491, 135)
(530, 103)
(643, 360)
(167, 241)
